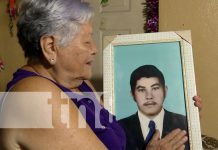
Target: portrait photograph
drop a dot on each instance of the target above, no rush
(166, 57)
(152, 75)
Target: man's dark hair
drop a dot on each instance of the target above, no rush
(145, 71)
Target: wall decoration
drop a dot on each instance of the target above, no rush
(150, 12)
(13, 12)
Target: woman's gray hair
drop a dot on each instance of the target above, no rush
(39, 18)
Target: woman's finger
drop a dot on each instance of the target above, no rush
(198, 102)
(179, 143)
(179, 139)
(174, 139)
(181, 147)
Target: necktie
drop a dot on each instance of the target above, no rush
(151, 126)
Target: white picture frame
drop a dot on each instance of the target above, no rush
(136, 49)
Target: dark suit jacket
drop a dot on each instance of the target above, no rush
(134, 136)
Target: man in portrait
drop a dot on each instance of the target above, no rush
(148, 90)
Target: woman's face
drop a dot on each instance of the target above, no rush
(77, 57)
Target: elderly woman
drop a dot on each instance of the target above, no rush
(56, 38)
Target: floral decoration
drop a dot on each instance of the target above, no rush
(13, 12)
(150, 12)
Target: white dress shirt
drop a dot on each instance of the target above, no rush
(144, 121)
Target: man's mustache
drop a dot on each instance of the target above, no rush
(149, 103)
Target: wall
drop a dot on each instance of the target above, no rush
(201, 17)
(10, 50)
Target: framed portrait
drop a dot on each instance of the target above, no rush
(171, 54)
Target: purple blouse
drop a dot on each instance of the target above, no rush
(110, 132)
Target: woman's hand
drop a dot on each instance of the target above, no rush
(198, 102)
(175, 140)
